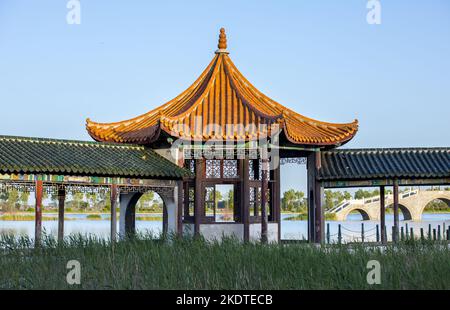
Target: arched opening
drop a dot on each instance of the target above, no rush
(151, 214)
(438, 205)
(404, 214)
(436, 208)
(357, 215)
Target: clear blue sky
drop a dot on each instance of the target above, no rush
(320, 58)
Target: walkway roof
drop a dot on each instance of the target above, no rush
(400, 163)
(68, 157)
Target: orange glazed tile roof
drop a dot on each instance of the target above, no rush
(222, 96)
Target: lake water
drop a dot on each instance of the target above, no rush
(292, 230)
(351, 228)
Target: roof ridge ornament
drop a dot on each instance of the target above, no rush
(222, 42)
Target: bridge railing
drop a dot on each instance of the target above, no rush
(370, 200)
(344, 204)
(409, 193)
(340, 206)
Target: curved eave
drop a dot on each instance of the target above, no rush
(222, 96)
(320, 133)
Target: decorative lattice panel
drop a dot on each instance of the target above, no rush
(230, 169)
(213, 168)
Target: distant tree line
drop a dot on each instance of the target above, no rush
(17, 201)
(295, 201)
(292, 200)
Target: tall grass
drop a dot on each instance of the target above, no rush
(304, 217)
(25, 217)
(146, 263)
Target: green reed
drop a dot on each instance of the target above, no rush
(144, 262)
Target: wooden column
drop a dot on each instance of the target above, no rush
(310, 195)
(61, 202)
(186, 199)
(275, 196)
(264, 186)
(319, 193)
(199, 194)
(38, 213)
(320, 219)
(180, 209)
(315, 191)
(245, 198)
(113, 197)
(382, 215)
(396, 218)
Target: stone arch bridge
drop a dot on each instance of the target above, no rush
(411, 204)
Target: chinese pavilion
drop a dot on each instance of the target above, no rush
(220, 133)
(223, 109)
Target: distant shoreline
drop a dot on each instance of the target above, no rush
(143, 216)
(51, 216)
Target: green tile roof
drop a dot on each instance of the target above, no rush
(357, 164)
(68, 157)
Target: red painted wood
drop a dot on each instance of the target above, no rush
(38, 213)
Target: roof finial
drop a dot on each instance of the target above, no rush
(222, 42)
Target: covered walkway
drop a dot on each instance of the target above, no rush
(380, 168)
(126, 171)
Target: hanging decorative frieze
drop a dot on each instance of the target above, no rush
(225, 152)
(293, 160)
(84, 180)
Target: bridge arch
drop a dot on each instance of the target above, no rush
(364, 214)
(441, 198)
(404, 209)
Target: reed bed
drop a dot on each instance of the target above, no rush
(144, 262)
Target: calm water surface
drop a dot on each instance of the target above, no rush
(294, 230)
